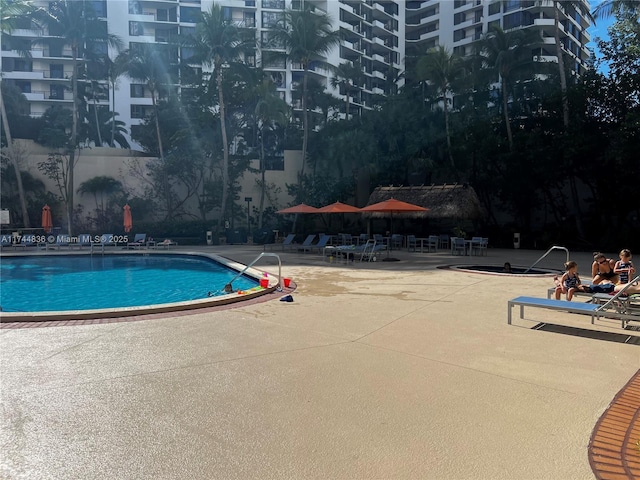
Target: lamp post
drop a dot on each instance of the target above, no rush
(248, 200)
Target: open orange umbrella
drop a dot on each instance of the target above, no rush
(300, 208)
(392, 206)
(47, 223)
(338, 207)
(128, 221)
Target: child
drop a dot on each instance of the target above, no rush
(624, 267)
(570, 282)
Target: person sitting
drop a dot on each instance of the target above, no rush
(570, 282)
(506, 268)
(624, 267)
(602, 269)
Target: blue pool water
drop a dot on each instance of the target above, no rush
(82, 282)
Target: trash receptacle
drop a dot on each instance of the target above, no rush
(516, 240)
(209, 238)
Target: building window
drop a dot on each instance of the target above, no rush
(136, 29)
(494, 8)
(137, 111)
(275, 4)
(189, 14)
(137, 90)
(511, 5)
(460, 50)
(134, 7)
(25, 87)
(458, 18)
(459, 35)
(99, 8)
(56, 70)
(56, 92)
(459, 3)
(271, 19)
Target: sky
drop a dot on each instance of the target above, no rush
(599, 30)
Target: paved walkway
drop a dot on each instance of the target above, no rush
(380, 370)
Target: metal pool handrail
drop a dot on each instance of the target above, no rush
(228, 287)
(555, 247)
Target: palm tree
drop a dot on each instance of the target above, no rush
(115, 69)
(271, 112)
(100, 186)
(149, 64)
(307, 38)
(584, 10)
(442, 69)
(508, 54)
(11, 12)
(348, 75)
(218, 43)
(78, 25)
(611, 7)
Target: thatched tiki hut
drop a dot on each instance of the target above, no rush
(452, 208)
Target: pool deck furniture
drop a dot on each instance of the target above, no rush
(165, 244)
(139, 241)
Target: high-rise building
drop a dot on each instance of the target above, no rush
(376, 37)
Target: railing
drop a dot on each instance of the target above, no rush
(555, 247)
(229, 288)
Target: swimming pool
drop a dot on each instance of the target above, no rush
(94, 282)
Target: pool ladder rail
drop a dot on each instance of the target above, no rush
(555, 247)
(228, 288)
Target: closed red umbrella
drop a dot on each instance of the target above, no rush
(128, 221)
(47, 223)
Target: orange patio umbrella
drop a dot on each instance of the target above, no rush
(47, 223)
(128, 221)
(300, 208)
(392, 206)
(338, 207)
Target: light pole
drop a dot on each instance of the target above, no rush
(248, 200)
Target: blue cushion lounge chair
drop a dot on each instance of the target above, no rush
(139, 241)
(307, 243)
(324, 239)
(106, 240)
(288, 241)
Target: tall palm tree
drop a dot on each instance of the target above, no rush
(100, 187)
(115, 69)
(584, 10)
(347, 74)
(611, 7)
(149, 64)
(307, 38)
(76, 22)
(442, 68)
(11, 12)
(271, 112)
(509, 55)
(217, 43)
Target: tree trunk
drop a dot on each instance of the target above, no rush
(113, 115)
(95, 113)
(262, 175)
(305, 124)
(161, 152)
(505, 107)
(225, 148)
(14, 162)
(448, 132)
(563, 75)
(74, 141)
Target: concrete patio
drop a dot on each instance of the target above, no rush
(385, 370)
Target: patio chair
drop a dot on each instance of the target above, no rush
(106, 240)
(458, 246)
(478, 246)
(61, 242)
(322, 243)
(362, 239)
(306, 245)
(432, 243)
(412, 243)
(397, 240)
(288, 240)
(166, 244)
(84, 240)
(443, 241)
(139, 241)
(370, 251)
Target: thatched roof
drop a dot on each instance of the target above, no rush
(443, 201)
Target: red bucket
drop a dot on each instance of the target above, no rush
(264, 282)
(287, 282)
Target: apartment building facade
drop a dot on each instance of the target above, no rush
(377, 35)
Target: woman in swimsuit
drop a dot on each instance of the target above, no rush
(602, 269)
